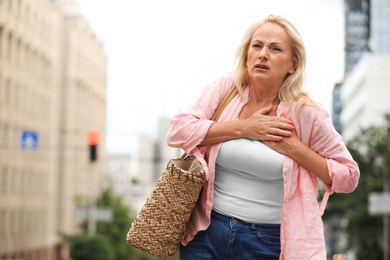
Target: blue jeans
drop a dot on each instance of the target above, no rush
(232, 239)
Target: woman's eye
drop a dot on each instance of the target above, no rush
(256, 46)
(276, 49)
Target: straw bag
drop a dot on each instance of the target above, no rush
(160, 224)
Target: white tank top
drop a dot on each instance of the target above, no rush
(249, 182)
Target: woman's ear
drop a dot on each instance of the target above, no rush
(292, 68)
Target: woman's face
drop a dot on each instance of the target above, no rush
(269, 55)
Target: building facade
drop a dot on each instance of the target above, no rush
(154, 154)
(337, 107)
(357, 31)
(365, 94)
(52, 92)
(367, 46)
(357, 16)
(366, 86)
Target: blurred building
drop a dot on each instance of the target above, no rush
(133, 176)
(361, 99)
(337, 107)
(356, 43)
(366, 85)
(119, 174)
(122, 177)
(365, 94)
(52, 93)
(154, 154)
(357, 31)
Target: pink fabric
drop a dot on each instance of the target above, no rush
(302, 234)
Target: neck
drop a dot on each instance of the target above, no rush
(264, 92)
(263, 98)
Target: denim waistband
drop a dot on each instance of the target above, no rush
(239, 221)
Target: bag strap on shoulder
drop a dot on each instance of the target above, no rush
(225, 101)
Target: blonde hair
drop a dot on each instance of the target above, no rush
(292, 87)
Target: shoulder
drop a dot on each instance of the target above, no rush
(308, 116)
(220, 86)
(312, 124)
(225, 82)
(309, 110)
(315, 112)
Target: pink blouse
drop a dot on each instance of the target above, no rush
(302, 235)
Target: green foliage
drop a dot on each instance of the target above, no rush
(110, 243)
(371, 150)
(115, 231)
(86, 247)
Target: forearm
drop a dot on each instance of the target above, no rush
(311, 161)
(224, 131)
(259, 127)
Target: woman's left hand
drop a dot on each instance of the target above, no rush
(292, 147)
(286, 145)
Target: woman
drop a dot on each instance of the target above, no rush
(266, 153)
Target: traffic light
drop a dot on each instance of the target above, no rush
(93, 141)
(92, 153)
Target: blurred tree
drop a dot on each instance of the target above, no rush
(86, 247)
(116, 230)
(348, 213)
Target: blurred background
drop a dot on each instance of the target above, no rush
(88, 87)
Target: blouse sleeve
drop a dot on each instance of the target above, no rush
(188, 128)
(325, 140)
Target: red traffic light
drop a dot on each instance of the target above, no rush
(93, 138)
(92, 153)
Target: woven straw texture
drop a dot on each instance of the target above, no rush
(159, 226)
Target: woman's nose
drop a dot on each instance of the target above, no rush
(263, 54)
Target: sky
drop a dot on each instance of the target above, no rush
(162, 54)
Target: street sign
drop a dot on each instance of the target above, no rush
(379, 203)
(102, 214)
(29, 140)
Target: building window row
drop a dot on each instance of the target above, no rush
(16, 53)
(20, 226)
(27, 13)
(24, 97)
(23, 181)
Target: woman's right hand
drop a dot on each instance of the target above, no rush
(259, 126)
(265, 127)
